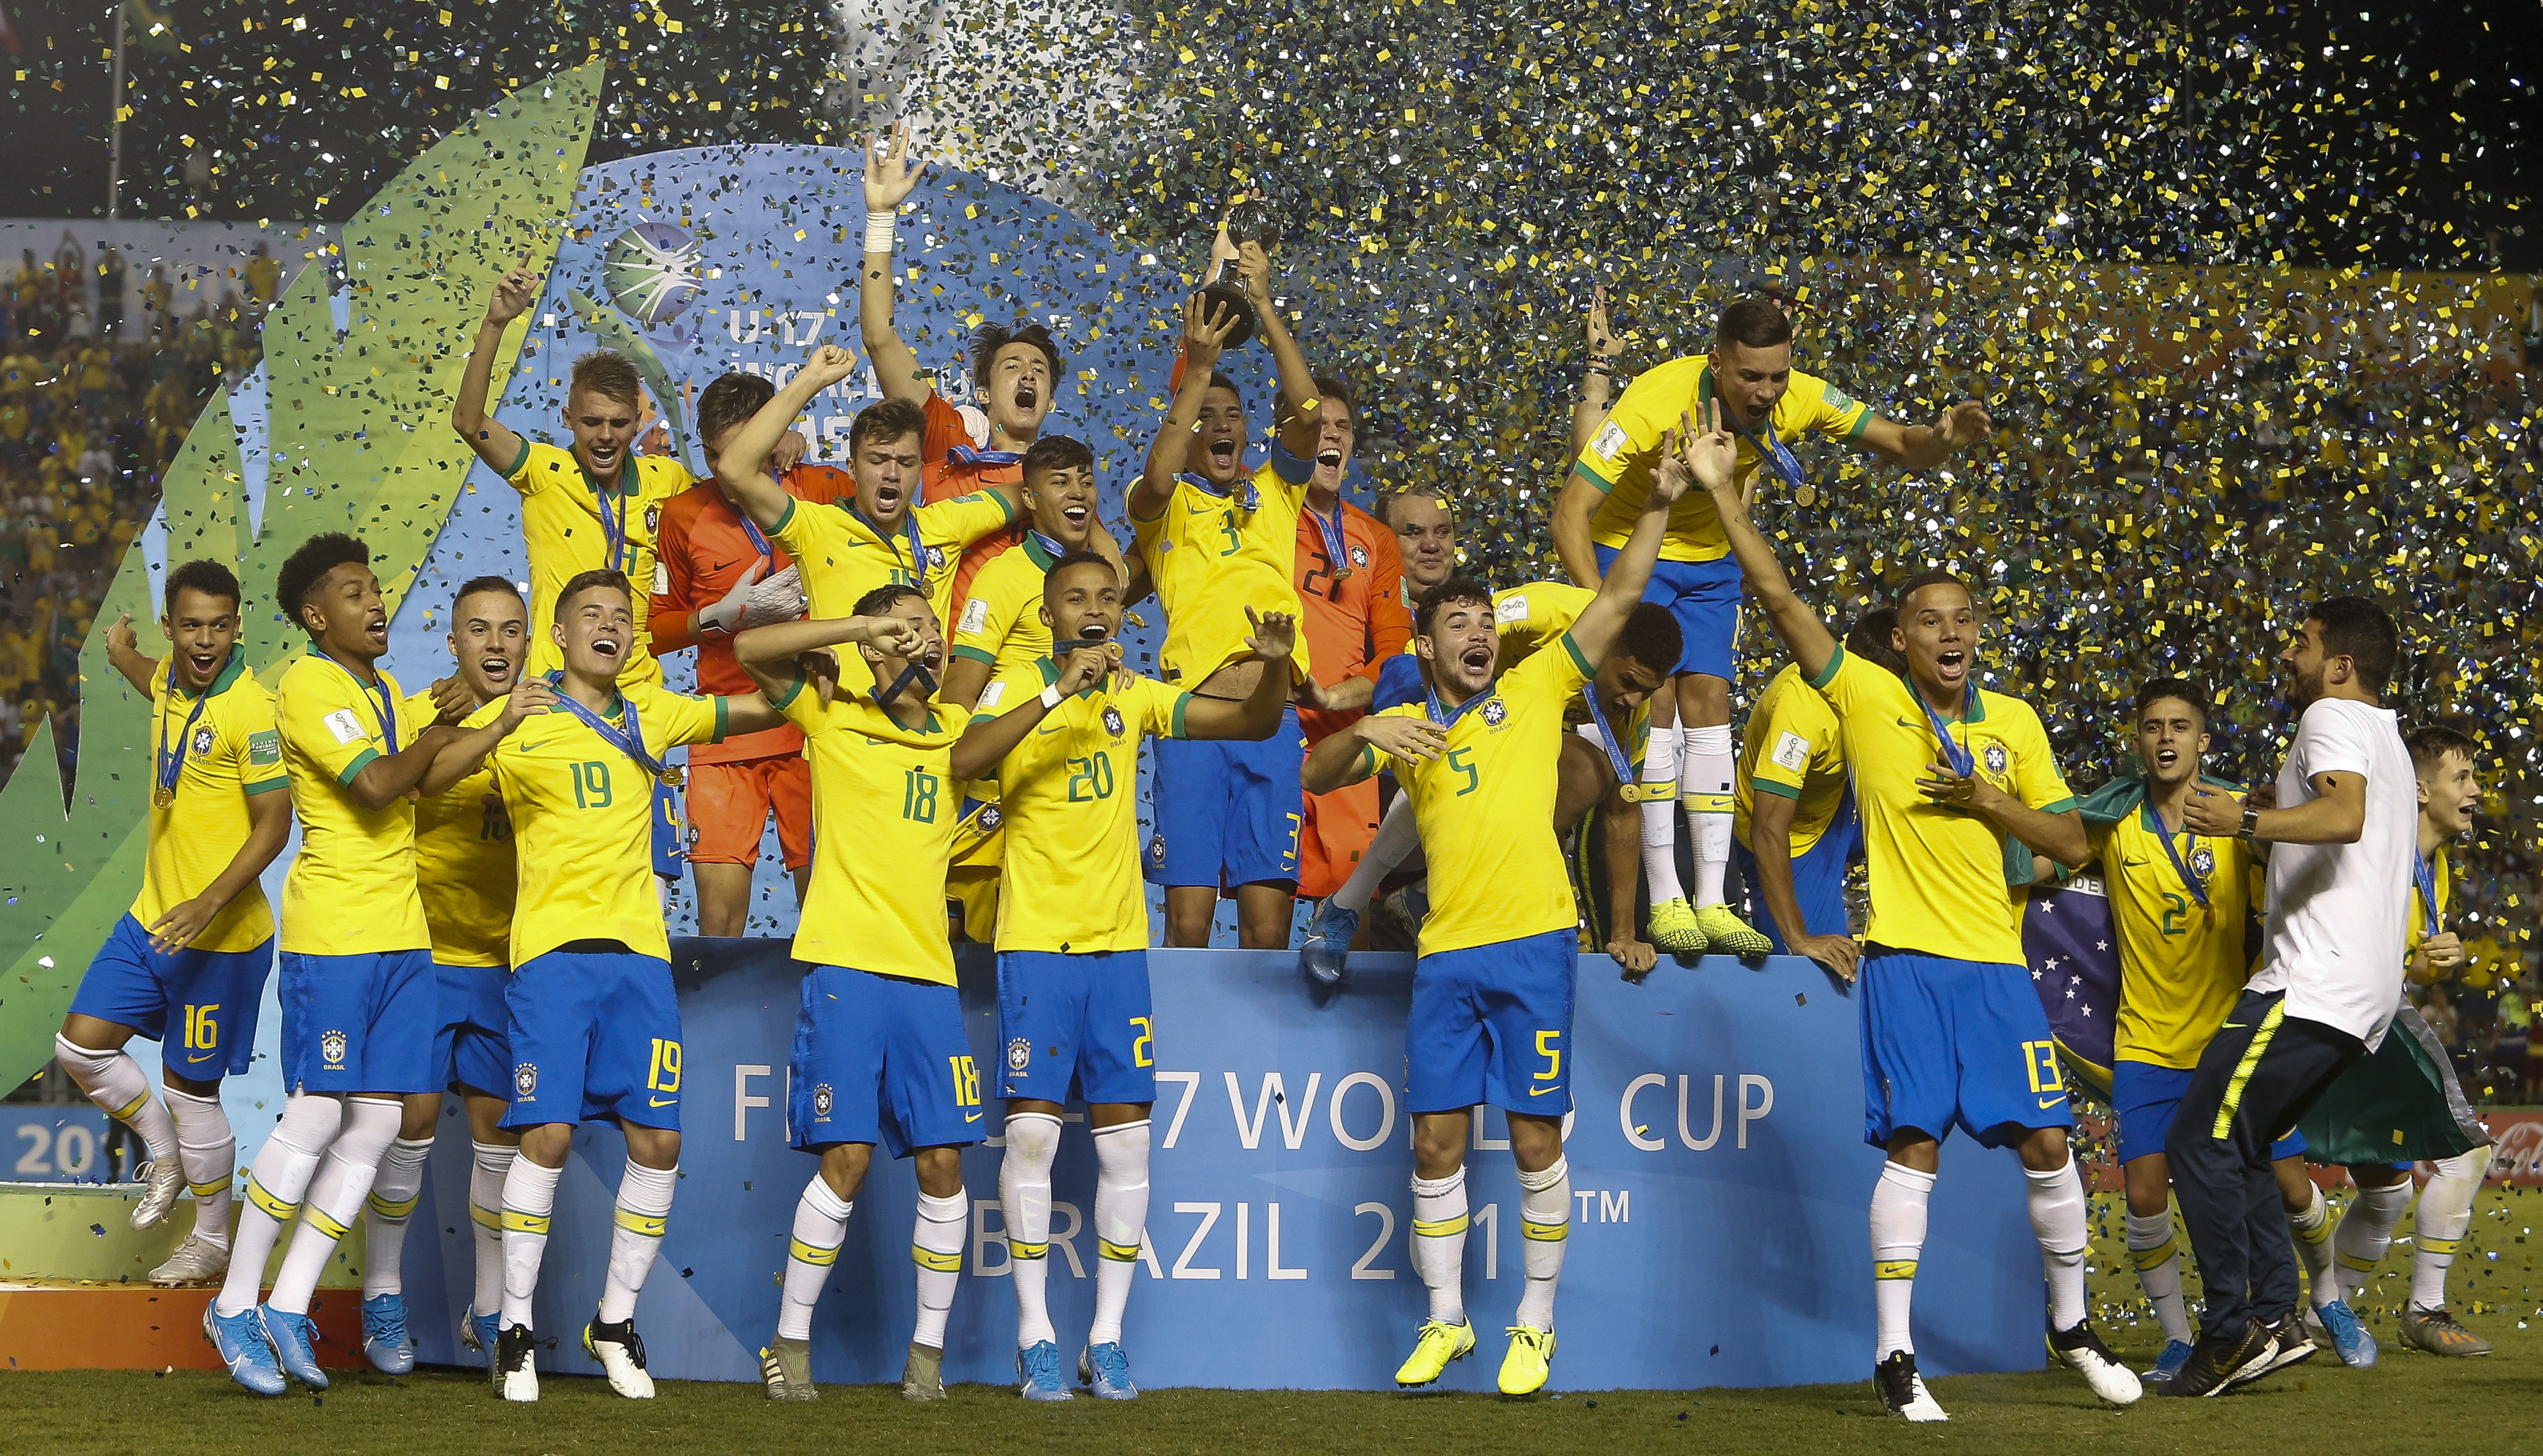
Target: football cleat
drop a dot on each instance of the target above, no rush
(197, 1261)
(1434, 1350)
(239, 1340)
(1325, 955)
(2294, 1347)
(786, 1368)
(922, 1375)
(1038, 1368)
(2218, 1360)
(385, 1342)
(1725, 934)
(2439, 1333)
(165, 1178)
(1674, 928)
(515, 1374)
(621, 1354)
(1529, 1360)
(295, 1345)
(2348, 1333)
(2176, 1353)
(482, 1333)
(1902, 1390)
(1106, 1367)
(2081, 1349)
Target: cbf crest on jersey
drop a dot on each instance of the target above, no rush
(1493, 712)
(203, 745)
(1359, 556)
(332, 1046)
(1112, 720)
(1996, 758)
(2202, 861)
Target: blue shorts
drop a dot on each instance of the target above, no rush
(358, 1022)
(1494, 1024)
(1076, 1026)
(594, 1033)
(1399, 682)
(214, 997)
(1819, 877)
(470, 1047)
(1228, 809)
(2143, 1098)
(1956, 1044)
(1704, 597)
(880, 1059)
(671, 835)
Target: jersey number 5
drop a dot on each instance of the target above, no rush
(1457, 761)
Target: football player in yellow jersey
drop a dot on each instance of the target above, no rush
(1073, 1009)
(880, 1055)
(1218, 540)
(1481, 757)
(1000, 630)
(356, 989)
(196, 944)
(1953, 1034)
(1795, 828)
(1768, 405)
(464, 867)
(591, 1025)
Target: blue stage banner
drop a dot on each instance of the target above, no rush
(1717, 1157)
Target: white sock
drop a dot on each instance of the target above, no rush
(936, 1247)
(209, 1151)
(486, 1176)
(335, 1198)
(2155, 1250)
(1024, 1195)
(2366, 1232)
(1120, 1222)
(1544, 1226)
(529, 1200)
(275, 1182)
(1439, 1242)
(115, 1082)
(1659, 815)
(2312, 1232)
(1708, 759)
(1898, 1202)
(386, 1212)
(2438, 1232)
(643, 1211)
(2057, 1218)
(1396, 839)
(821, 1226)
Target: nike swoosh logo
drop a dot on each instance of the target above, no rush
(1540, 1092)
(722, 566)
(660, 1101)
(2231, 1027)
(2047, 1102)
(2137, 863)
(972, 1117)
(1049, 729)
(206, 1056)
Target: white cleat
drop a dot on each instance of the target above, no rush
(516, 1374)
(166, 1178)
(197, 1261)
(2082, 1350)
(1902, 1390)
(621, 1354)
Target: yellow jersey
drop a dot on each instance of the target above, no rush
(1937, 873)
(1486, 807)
(2417, 931)
(2182, 967)
(1619, 459)
(1793, 750)
(1211, 558)
(1002, 627)
(567, 523)
(583, 819)
(464, 865)
(843, 557)
(225, 747)
(1526, 618)
(1070, 796)
(352, 888)
(883, 809)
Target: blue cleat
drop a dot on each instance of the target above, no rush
(1106, 1368)
(239, 1340)
(295, 1345)
(1325, 955)
(2176, 1353)
(481, 1333)
(1037, 1366)
(2348, 1338)
(385, 1342)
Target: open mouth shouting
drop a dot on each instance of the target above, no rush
(885, 497)
(1076, 515)
(202, 662)
(1028, 396)
(497, 669)
(377, 628)
(1952, 666)
(1223, 454)
(607, 646)
(1477, 659)
(2167, 758)
(603, 456)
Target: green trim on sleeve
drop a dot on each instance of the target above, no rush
(1827, 674)
(792, 693)
(1582, 469)
(362, 761)
(1861, 423)
(723, 717)
(975, 654)
(782, 519)
(1769, 786)
(283, 782)
(1367, 761)
(1578, 661)
(2060, 806)
(518, 461)
(1008, 507)
(1181, 702)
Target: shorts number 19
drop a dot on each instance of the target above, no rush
(664, 1075)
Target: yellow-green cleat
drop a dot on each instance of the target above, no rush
(1530, 1359)
(922, 1375)
(1674, 928)
(1439, 1345)
(1728, 934)
(2439, 1333)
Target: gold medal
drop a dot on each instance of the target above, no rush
(673, 777)
(163, 796)
(1805, 496)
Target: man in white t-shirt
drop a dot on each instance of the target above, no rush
(2341, 839)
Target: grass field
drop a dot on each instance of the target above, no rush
(2467, 1407)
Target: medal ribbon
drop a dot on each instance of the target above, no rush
(1607, 737)
(1954, 753)
(628, 741)
(1447, 716)
(171, 765)
(967, 455)
(1250, 499)
(758, 539)
(614, 530)
(1050, 547)
(385, 710)
(2427, 879)
(1770, 448)
(2197, 886)
(1337, 547)
(914, 672)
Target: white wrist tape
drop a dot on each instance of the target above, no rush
(878, 231)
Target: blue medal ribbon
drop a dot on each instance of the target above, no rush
(1955, 752)
(1245, 497)
(384, 709)
(1625, 778)
(917, 543)
(915, 673)
(628, 741)
(1445, 716)
(613, 530)
(758, 539)
(1336, 546)
(2197, 886)
(1051, 548)
(1770, 448)
(969, 455)
(173, 764)
(2427, 879)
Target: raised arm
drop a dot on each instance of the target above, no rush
(1258, 715)
(742, 464)
(983, 745)
(1204, 339)
(1305, 427)
(1596, 380)
(1924, 446)
(1684, 460)
(889, 178)
(124, 653)
(492, 441)
(1804, 634)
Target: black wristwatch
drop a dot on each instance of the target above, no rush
(2251, 821)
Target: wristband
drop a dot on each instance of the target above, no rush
(878, 231)
(1050, 696)
(2251, 821)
